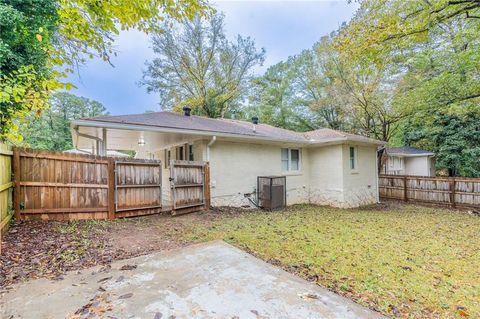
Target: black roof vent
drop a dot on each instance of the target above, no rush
(255, 120)
(186, 110)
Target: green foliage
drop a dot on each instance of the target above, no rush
(455, 138)
(197, 66)
(321, 88)
(431, 53)
(42, 40)
(271, 99)
(51, 130)
(25, 39)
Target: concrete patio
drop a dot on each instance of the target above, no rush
(211, 280)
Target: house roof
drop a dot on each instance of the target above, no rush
(408, 151)
(172, 120)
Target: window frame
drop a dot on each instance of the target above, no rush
(190, 152)
(354, 167)
(289, 160)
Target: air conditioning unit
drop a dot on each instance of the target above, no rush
(272, 192)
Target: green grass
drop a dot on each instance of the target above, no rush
(408, 261)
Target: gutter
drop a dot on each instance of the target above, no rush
(376, 178)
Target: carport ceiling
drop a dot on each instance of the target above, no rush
(118, 139)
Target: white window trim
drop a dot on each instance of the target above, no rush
(289, 164)
(190, 145)
(355, 158)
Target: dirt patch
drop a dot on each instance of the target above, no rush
(47, 249)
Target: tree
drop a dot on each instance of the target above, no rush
(197, 66)
(455, 138)
(51, 130)
(381, 27)
(431, 52)
(27, 28)
(272, 96)
(46, 39)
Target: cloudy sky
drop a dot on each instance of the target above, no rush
(283, 28)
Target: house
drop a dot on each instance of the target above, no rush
(324, 166)
(409, 161)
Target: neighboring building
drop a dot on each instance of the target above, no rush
(325, 166)
(110, 153)
(409, 161)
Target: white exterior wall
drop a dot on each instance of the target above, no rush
(326, 176)
(360, 185)
(234, 168)
(420, 166)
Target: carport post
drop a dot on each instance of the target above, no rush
(206, 183)
(111, 188)
(104, 142)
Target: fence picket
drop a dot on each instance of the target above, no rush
(447, 191)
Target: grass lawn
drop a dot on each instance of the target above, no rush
(406, 261)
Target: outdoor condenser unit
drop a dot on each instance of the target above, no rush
(272, 192)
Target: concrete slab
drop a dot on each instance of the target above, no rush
(211, 280)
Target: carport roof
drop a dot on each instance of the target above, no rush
(208, 126)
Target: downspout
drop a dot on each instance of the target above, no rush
(212, 141)
(376, 177)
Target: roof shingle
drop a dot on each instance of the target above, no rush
(243, 128)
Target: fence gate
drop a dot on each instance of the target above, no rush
(189, 184)
(138, 187)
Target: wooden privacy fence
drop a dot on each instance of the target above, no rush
(138, 187)
(53, 185)
(189, 184)
(60, 186)
(6, 186)
(446, 191)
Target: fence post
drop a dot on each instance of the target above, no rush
(16, 190)
(405, 197)
(452, 192)
(111, 188)
(206, 182)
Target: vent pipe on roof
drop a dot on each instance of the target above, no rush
(186, 110)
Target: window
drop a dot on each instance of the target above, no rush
(290, 159)
(395, 163)
(353, 158)
(181, 153)
(190, 152)
(284, 159)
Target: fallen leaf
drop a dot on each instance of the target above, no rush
(128, 267)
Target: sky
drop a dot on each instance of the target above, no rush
(282, 28)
